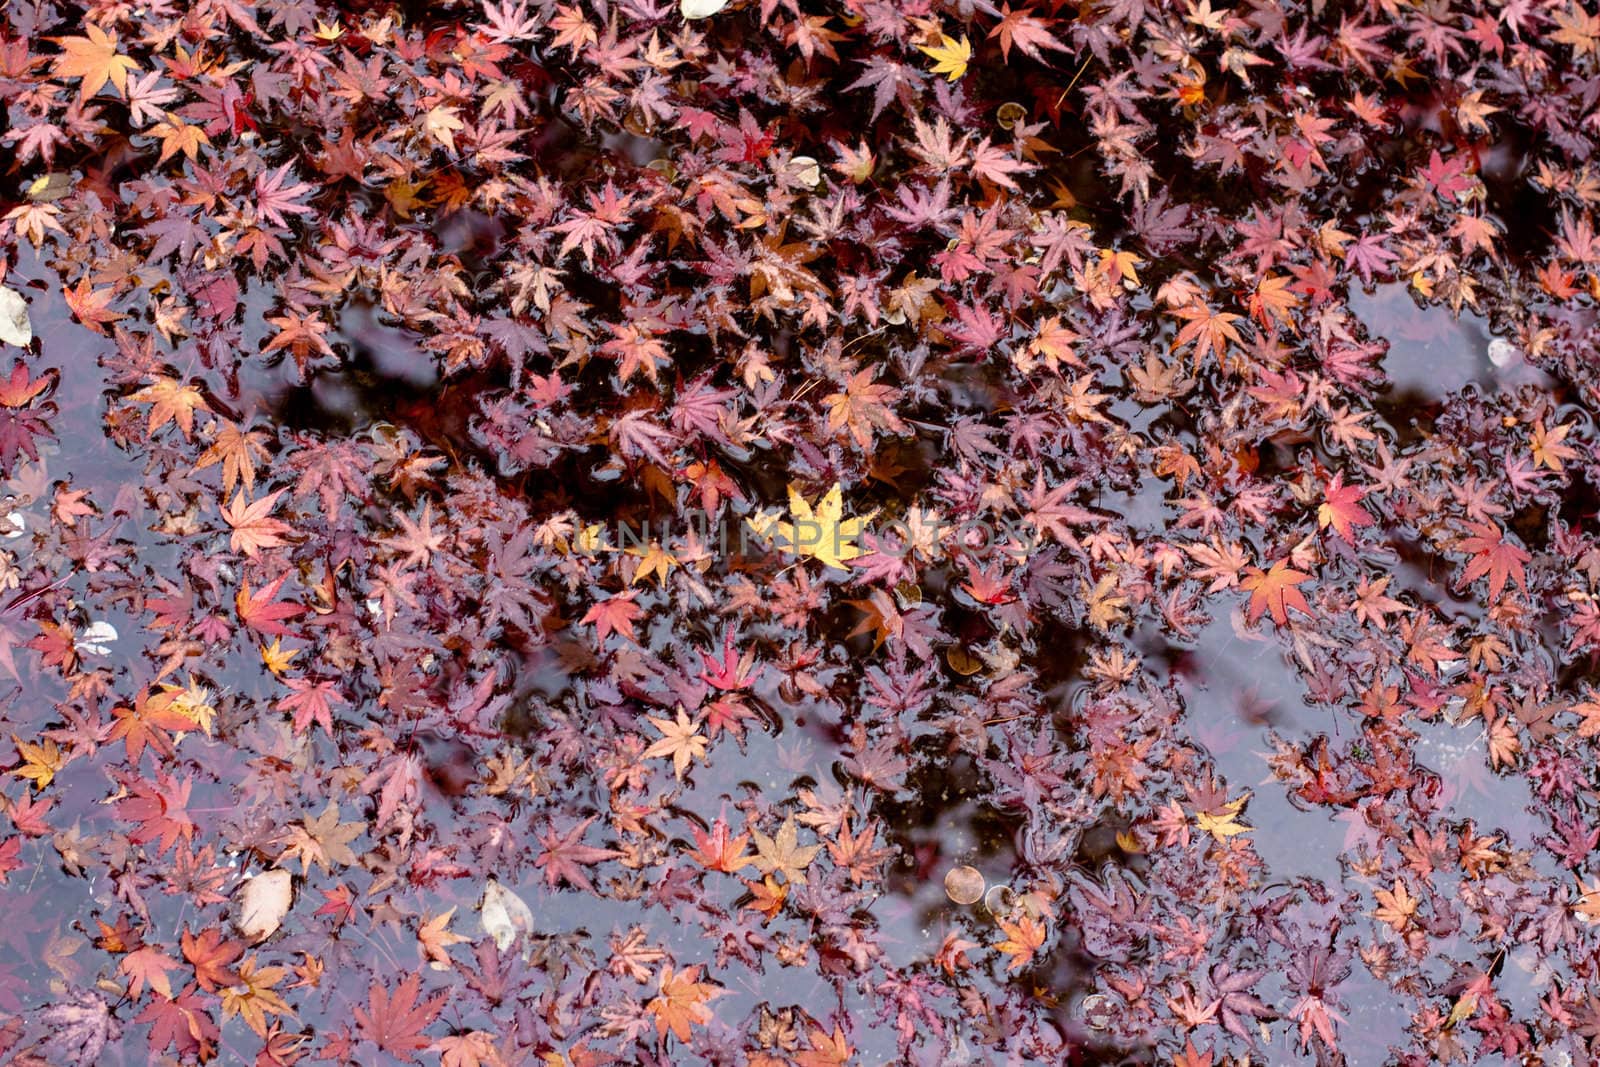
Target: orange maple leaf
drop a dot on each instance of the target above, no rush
(90, 305)
(681, 1002)
(148, 965)
(614, 615)
(95, 59)
(1023, 938)
(171, 401)
(1275, 591)
(147, 723)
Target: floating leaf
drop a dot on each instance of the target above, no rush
(262, 902)
(15, 326)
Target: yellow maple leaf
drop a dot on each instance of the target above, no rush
(1122, 266)
(276, 657)
(194, 702)
(253, 998)
(821, 532)
(93, 58)
(652, 560)
(39, 762)
(950, 56)
(1224, 825)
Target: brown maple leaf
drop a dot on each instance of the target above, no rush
(323, 840)
(782, 853)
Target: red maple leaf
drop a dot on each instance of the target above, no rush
(394, 1021)
(614, 615)
(260, 613)
(311, 702)
(732, 671)
(1339, 508)
(184, 1021)
(1493, 555)
(564, 852)
(159, 808)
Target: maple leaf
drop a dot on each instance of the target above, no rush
(252, 997)
(148, 965)
(435, 938)
(160, 809)
(718, 850)
(782, 853)
(90, 306)
(93, 58)
(39, 762)
(312, 701)
(768, 895)
(862, 406)
(564, 852)
(680, 1001)
(1048, 511)
(80, 1026)
(1273, 300)
(238, 451)
(827, 1050)
(1274, 591)
(680, 739)
(210, 954)
(259, 612)
(822, 534)
(171, 401)
(949, 55)
(1396, 906)
(1340, 508)
(253, 528)
(19, 389)
(1224, 823)
(1030, 34)
(323, 840)
(395, 1021)
(733, 672)
(178, 136)
(1211, 331)
(273, 197)
(1549, 447)
(1023, 938)
(476, 1048)
(147, 723)
(615, 614)
(1493, 555)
